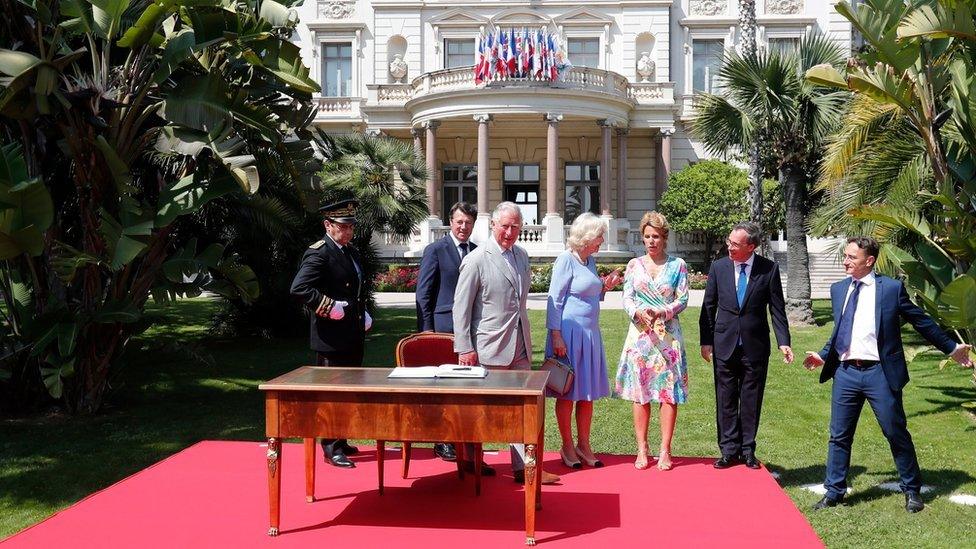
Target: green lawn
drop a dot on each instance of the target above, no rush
(182, 386)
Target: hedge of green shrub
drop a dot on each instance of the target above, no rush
(403, 278)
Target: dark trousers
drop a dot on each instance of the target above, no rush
(739, 387)
(353, 359)
(851, 387)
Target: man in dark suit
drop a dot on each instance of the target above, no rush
(437, 281)
(330, 285)
(865, 358)
(734, 330)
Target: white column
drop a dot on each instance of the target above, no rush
(619, 227)
(607, 158)
(481, 224)
(433, 221)
(555, 231)
(433, 173)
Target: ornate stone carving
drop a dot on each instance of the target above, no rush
(709, 7)
(398, 68)
(784, 7)
(645, 67)
(336, 9)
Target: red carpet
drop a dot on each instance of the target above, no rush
(214, 494)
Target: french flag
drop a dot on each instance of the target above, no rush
(479, 59)
(537, 54)
(498, 53)
(551, 53)
(510, 54)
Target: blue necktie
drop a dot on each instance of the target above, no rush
(740, 288)
(845, 329)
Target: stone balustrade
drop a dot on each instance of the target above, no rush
(584, 79)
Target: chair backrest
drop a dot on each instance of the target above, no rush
(426, 349)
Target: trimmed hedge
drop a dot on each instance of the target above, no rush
(403, 278)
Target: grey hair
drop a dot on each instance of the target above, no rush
(752, 230)
(585, 229)
(506, 206)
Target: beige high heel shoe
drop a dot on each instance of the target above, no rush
(595, 462)
(569, 462)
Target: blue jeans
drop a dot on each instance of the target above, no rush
(852, 386)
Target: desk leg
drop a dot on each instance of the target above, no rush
(309, 470)
(274, 483)
(533, 477)
(380, 455)
(540, 451)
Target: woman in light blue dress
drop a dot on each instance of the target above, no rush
(573, 321)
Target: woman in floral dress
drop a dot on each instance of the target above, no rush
(653, 366)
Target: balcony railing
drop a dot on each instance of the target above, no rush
(584, 79)
(338, 107)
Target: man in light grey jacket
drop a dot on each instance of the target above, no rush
(491, 325)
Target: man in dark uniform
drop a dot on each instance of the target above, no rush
(330, 284)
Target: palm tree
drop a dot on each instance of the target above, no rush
(120, 122)
(876, 158)
(765, 98)
(913, 148)
(386, 176)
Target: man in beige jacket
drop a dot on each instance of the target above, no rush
(491, 325)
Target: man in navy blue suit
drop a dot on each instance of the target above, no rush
(864, 356)
(436, 282)
(741, 288)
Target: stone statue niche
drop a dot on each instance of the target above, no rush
(398, 68)
(645, 67)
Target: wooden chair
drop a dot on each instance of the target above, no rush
(428, 349)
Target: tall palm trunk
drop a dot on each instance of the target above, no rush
(747, 47)
(793, 180)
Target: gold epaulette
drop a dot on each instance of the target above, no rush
(317, 245)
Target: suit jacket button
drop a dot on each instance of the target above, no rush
(347, 284)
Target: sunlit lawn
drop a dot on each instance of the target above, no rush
(170, 396)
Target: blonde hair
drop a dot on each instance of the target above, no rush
(585, 229)
(655, 221)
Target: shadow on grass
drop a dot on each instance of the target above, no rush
(944, 482)
(811, 474)
(172, 398)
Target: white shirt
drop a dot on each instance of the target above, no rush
(457, 245)
(735, 272)
(864, 335)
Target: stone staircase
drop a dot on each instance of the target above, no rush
(825, 266)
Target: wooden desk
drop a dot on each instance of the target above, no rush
(506, 406)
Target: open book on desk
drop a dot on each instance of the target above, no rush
(444, 370)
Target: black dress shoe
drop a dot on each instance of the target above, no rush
(340, 460)
(486, 470)
(349, 450)
(913, 502)
(825, 502)
(445, 451)
(725, 462)
(752, 462)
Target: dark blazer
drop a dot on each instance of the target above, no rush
(891, 302)
(436, 283)
(325, 276)
(721, 322)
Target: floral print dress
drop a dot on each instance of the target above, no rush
(653, 366)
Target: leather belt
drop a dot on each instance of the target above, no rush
(859, 364)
